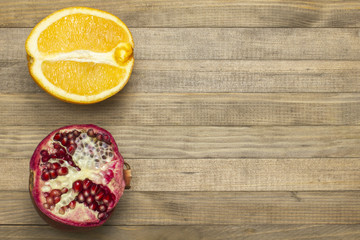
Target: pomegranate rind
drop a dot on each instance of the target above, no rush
(35, 180)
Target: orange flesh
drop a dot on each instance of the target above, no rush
(67, 34)
(86, 77)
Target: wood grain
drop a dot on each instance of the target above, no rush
(204, 13)
(211, 232)
(313, 174)
(202, 208)
(215, 76)
(197, 109)
(205, 142)
(222, 43)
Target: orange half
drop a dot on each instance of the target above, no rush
(80, 55)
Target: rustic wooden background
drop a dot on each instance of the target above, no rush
(241, 120)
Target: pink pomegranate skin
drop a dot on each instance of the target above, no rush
(106, 180)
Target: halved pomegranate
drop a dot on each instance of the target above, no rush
(76, 176)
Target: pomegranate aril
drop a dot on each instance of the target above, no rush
(55, 166)
(86, 192)
(76, 133)
(44, 153)
(99, 195)
(48, 165)
(64, 141)
(77, 186)
(52, 207)
(57, 137)
(52, 156)
(49, 200)
(72, 204)
(77, 168)
(45, 158)
(71, 163)
(99, 137)
(93, 206)
(46, 205)
(62, 210)
(61, 153)
(91, 133)
(64, 190)
(62, 171)
(57, 199)
(71, 148)
(86, 183)
(61, 161)
(55, 193)
(107, 199)
(90, 199)
(102, 208)
(57, 146)
(53, 174)
(94, 189)
(46, 194)
(102, 216)
(67, 157)
(70, 136)
(45, 176)
(80, 198)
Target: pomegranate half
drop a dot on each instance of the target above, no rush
(76, 177)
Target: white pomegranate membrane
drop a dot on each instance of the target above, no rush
(76, 175)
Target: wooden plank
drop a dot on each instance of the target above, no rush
(205, 13)
(200, 109)
(201, 76)
(222, 43)
(221, 174)
(201, 208)
(211, 232)
(204, 142)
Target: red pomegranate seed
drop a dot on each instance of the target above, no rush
(48, 165)
(57, 137)
(86, 183)
(86, 192)
(45, 158)
(62, 210)
(55, 166)
(55, 193)
(77, 186)
(57, 146)
(61, 152)
(71, 148)
(72, 204)
(70, 135)
(64, 190)
(76, 133)
(99, 137)
(45, 176)
(52, 156)
(46, 194)
(44, 153)
(71, 163)
(67, 157)
(71, 141)
(49, 200)
(57, 199)
(61, 161)
(64, 141)
(102, 208)
(46, 205)
(106, 200)
(93, 206)
(53, 174)
(102, 216)
(77, 168)
(80, 198)
(90, 199)
(94, 189)
(99, 195)
(52, 207)
(62, 171)
(90, 132)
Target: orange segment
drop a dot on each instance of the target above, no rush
(80, 55)
(67, 34)
(86, 77)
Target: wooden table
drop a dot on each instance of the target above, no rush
(241, 120)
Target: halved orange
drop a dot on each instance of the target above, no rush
(80, 55)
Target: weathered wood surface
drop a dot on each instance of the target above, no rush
(337, 174)
(195, 232)
(222, 43)
(190, 109)
(202, 208)
(205, 142)
(214, 76)
(201, 13)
